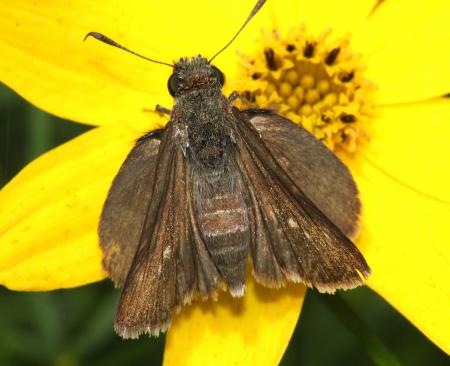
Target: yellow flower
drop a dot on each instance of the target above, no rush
(49, 211)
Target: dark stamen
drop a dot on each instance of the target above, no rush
(256, 76)
(249, 96)
(348, 118)
(348, 77)
(309, 49)
(290, 48)
(325, 118)
(270, 59)
(332, 55)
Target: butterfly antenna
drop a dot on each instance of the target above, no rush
(109, 41)
(255, 9)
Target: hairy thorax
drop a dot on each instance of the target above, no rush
(207, 134)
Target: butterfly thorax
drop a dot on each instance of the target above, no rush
(202, 112)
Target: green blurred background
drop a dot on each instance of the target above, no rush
(75, 327)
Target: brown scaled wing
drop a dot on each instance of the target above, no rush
(290, 237)
(169, 261)
(315, 169)
(126, 207)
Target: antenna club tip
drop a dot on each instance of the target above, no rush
(102, 38)
(92, 34)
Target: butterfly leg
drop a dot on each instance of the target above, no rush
(159, 108)
(233, 96)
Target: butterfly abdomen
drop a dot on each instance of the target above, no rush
(223, 221)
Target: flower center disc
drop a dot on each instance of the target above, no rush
(315, 82)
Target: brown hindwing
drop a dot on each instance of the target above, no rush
(323, 178)
(291, 238)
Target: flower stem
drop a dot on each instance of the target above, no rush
(377, 350)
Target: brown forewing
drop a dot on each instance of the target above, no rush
(126, 207)
(291, 238)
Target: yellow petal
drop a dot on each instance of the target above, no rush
(405, 234)
(45, 59)
(283, 15)
(341, 16)
(50, 210)
(410, 142)
(254, 330)
(406, 50)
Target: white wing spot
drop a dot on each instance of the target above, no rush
(166, 252)
(292, 223)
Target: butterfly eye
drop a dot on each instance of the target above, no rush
(218, 75)
(173, 84)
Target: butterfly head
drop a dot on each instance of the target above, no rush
(194, 73)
